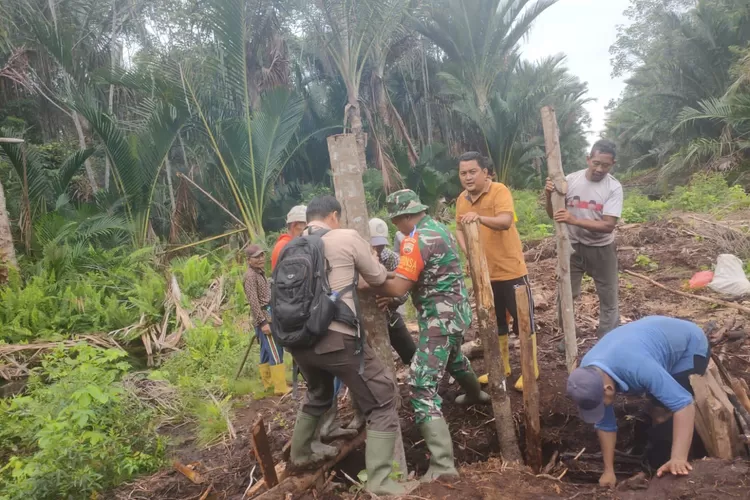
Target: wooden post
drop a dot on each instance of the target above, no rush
(480, 277)
(350, 191)
(564, 248)
(530, 388)
(263, 453)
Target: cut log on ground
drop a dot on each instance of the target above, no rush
(300, 483)
(708, 300)
(714, 415)
(487, 322)
(346, 168)
(260, 486)
(263, 453)
(564, 248)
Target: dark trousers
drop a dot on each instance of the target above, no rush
(700, 365)
(401, 339)
(601, 264)
(373, 390)
(504, 293)
(659, 436)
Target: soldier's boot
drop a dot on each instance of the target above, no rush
(265, 375)
(358, 420)
(278, 377)
(439, 442)
(519, 382)
(474, 393)
(306, 450)
(504, 356)
(379, 465)
(330, 427)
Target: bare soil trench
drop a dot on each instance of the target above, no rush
(677, 254)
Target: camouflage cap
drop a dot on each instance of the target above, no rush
(404, 202)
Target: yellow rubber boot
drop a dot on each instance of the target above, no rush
(519, 382)
(278, 377)
(265, 375)
(504, 356)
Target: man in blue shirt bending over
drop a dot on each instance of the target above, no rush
(654, 355)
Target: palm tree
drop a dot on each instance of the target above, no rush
(351, 32)
(480, 38)
(137, 151)
(688, 64)
(40, 189)
(6, 236)
(250, 146)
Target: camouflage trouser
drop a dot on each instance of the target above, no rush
(435, 354)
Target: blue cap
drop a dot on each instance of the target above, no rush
(586, 389)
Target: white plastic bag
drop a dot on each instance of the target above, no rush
(729, 277)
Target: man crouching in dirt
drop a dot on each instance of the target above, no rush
(429, 264)
(655, 355)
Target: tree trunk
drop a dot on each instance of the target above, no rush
(111, 99)
(82, 145)
(485, 304)
(530, 389)
(564, 249)
(347, 161)
(6, 236)
(168, 168)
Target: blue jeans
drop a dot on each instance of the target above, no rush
(270, 351)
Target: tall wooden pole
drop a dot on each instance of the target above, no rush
(530, 388)
(350, 191)
(480, 278)
(564, 248)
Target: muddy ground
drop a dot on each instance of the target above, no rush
(671, 252)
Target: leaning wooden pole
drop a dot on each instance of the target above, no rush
(530, 388)
(564, 248)
(263, 455)
(350, 191)
(480, 277)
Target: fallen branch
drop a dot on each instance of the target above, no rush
(716, 302)
(189, 473)
(298, 484)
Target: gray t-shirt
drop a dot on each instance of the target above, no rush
(592, 201)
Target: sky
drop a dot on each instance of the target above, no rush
(584, 31)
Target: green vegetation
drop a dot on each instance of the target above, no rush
(152, 160)
(77, 429)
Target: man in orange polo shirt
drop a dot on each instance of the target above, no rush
(296, 222)
(491, 204)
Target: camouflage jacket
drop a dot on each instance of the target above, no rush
(429, 257)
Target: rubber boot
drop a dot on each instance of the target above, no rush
(303, 453)
(358, 420)
(265, 375)
(474, 393)
(438, 439)
(504, 356)
(379, 464)
(278, 377)
(330, 427)
(519, 382)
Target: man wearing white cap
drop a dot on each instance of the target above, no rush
(296, 222)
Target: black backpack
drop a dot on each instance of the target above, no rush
(302, 308)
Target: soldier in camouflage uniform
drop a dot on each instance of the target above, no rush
(430, 267)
